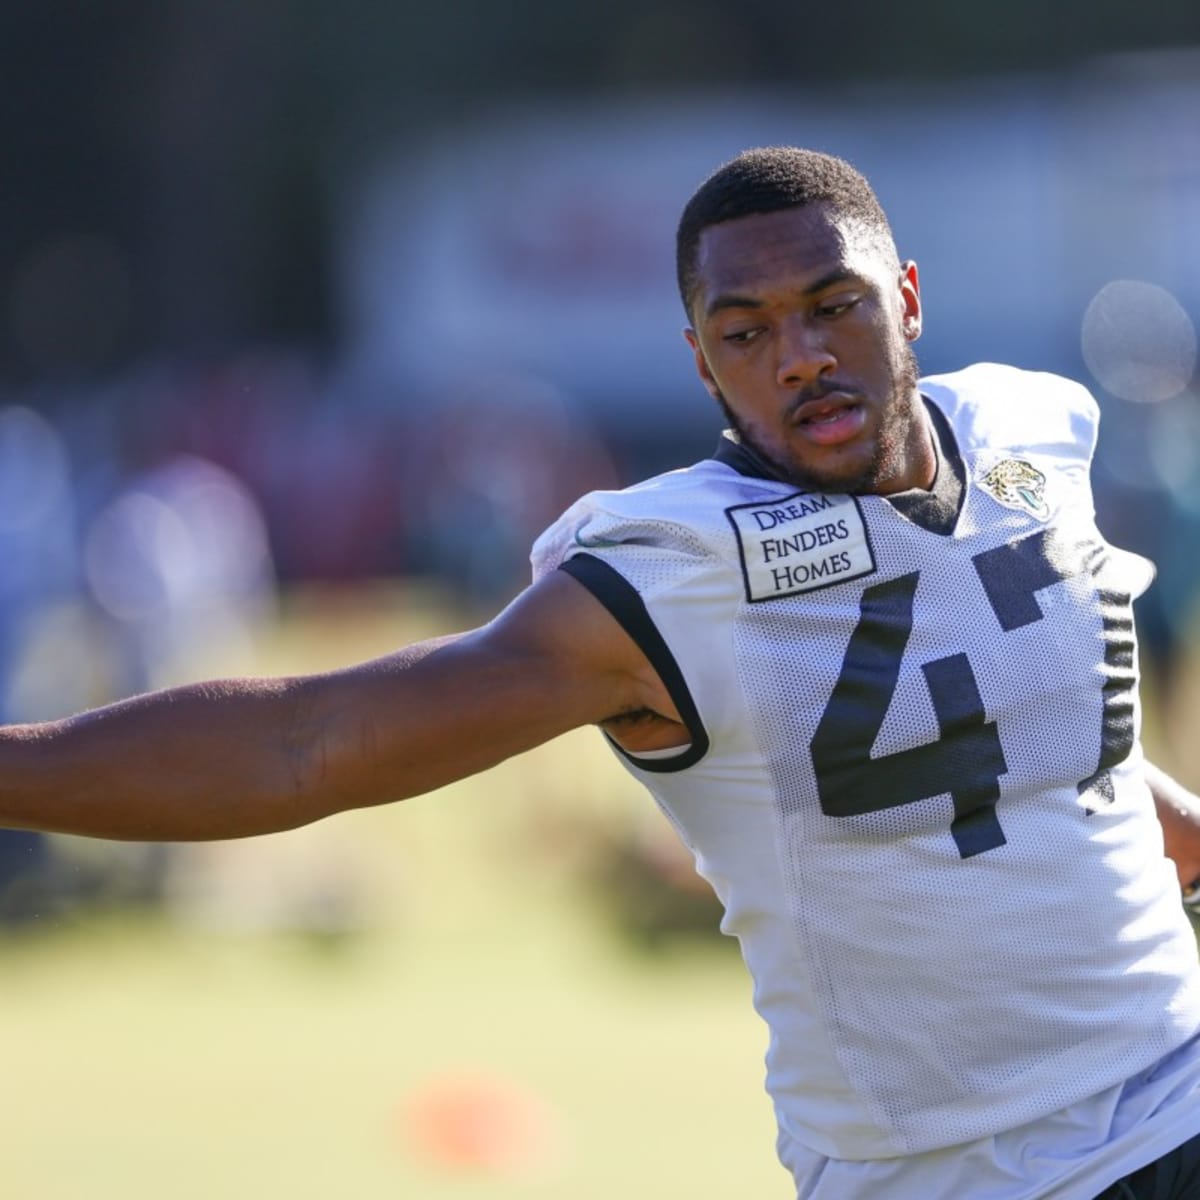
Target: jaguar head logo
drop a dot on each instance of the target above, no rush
(1018, 484)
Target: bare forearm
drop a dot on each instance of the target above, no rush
(208, 761)
(222, 759)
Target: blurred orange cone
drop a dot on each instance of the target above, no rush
(477, 1123)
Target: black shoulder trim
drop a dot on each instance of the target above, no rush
(621, 599)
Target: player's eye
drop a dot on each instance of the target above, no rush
(837, 306)
(742, 337)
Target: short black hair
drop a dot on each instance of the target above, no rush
(768, 179)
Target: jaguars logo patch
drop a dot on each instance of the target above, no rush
(1018, 484)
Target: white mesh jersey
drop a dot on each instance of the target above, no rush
(915, 780)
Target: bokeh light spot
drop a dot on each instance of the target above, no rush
(1138, 341)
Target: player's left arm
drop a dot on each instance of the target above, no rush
(1179, 813)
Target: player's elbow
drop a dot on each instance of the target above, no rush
(302, 783)
(327, 758)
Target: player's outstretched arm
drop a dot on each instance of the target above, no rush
(240, 757)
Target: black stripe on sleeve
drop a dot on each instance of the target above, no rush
(621, 599)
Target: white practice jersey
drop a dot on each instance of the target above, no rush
(915, 783)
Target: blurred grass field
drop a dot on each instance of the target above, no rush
(211, 1054)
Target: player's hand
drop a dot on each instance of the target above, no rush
(1179, 814)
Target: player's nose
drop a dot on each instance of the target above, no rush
(804, 355)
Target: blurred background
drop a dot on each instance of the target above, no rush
(312, 316)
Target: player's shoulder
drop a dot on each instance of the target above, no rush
(691, 497)
(994, 405)
(680, 514)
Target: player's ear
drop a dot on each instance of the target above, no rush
(910, 301)
(702, 367)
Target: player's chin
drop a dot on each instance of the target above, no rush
(853, 470)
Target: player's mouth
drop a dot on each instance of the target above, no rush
(833, 418)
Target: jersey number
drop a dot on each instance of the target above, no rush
(967, 759)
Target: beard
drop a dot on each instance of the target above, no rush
(896, 424)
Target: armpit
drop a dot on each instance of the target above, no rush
(644, 729)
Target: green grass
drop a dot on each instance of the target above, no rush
(183, 1056)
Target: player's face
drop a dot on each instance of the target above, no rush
(802, 332)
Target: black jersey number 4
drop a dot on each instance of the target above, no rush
(967, 758)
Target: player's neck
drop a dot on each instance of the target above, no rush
(918, 458)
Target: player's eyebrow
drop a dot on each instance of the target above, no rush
(733, 300)
(730, 300)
